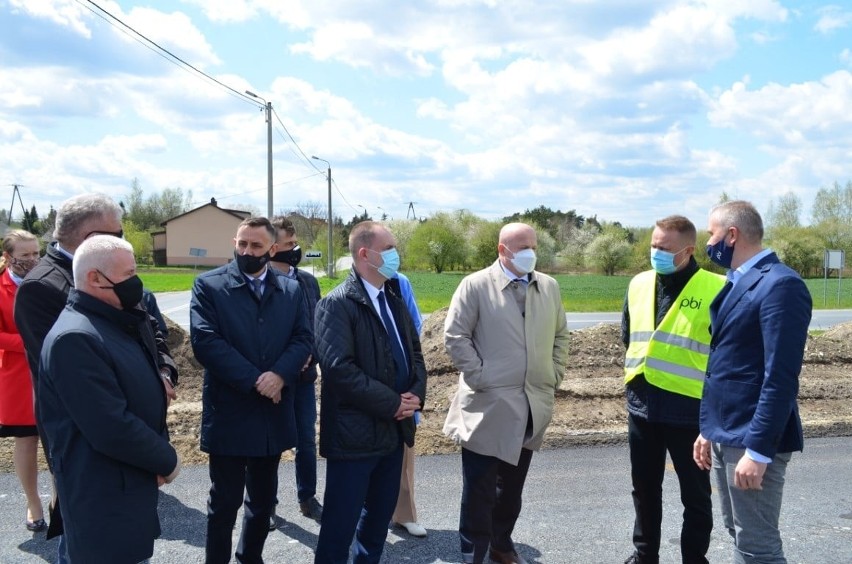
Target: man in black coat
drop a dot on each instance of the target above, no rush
(103, 410)
(373, 380)
(286, 260)
(249, 330)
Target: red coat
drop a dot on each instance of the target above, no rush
(16, 385)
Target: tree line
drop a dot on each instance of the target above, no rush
(570, 242)
(460, 240)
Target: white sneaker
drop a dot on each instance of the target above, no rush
(413, 529)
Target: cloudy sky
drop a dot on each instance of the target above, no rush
(627, 109)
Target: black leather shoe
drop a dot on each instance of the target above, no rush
(311, 508)
(272, 524)
(510, 557)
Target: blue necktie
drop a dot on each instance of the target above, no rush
(257, 287)
(396, 348)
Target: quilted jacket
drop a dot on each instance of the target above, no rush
(358, 397)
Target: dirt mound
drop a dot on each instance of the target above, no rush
(589, 407)
(832, 347)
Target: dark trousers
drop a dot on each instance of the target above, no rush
(230, 476)
(305, 408)
(491, 502)
(360, 496)
(648, 445)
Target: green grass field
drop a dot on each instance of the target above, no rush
(580, 292)
(167, 279)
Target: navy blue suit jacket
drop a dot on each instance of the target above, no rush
(756, 350)
(103, 409)
(236, 337)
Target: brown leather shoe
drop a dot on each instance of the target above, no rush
(510, 557)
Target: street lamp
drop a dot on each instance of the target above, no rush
(330, 270)
(384, 213)
(268, 152)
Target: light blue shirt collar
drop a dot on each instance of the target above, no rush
(262, 276)
(64, 252)
(512, 277)
(735, 275)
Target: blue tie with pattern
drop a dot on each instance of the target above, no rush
(257, 287)
(396, 348)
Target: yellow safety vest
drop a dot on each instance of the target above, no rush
(673, 356)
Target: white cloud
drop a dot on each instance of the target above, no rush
(175, 32)
(226, 11)
(67, 13)
(832, 18)
(815, 113)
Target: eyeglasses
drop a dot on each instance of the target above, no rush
(119, 233)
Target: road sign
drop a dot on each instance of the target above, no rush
(313, 254)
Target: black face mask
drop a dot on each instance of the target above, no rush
(249, 264)
(129, 291)
(292, 257)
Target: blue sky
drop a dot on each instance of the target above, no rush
(628, 109)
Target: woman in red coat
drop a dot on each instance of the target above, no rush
(20, 255)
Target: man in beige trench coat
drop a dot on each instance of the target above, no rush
(507, 336)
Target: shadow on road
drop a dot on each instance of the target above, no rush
(179, 522)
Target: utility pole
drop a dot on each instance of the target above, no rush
(330, 268)
(16, 192)
(269, 160)
(411, 211)
(268, 107)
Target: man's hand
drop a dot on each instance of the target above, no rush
(701, 453)
(171, 394)
(408, 405)
(269, 384)
(168, 387)
(748, 474)
(170, 478)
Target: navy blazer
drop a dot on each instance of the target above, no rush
(236, 338)
(758, 341)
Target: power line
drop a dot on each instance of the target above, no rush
(336, 187)
(307, 160)
(162, 50)
(310, 162)
(184, 65)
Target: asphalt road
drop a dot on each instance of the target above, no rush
(175, 305)
(577, 509)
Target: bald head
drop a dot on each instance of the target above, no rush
(514, 238)
(512, 231)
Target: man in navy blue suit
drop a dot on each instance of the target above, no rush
(749, 417)
(249, 330)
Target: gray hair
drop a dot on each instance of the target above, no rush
(742, 215)
(77, 210)
(96, 253)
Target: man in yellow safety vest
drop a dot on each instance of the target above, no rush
(665, 326)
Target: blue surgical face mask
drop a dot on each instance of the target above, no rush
(662, 261)
(390, 263)
(721, 253)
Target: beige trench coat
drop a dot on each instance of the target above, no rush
(509, 365)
